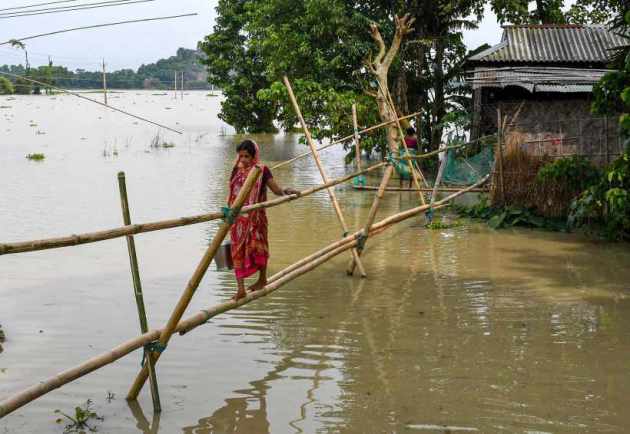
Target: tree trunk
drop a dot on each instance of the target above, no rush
(439, 109)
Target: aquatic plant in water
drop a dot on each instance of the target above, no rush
(79, 422)
(35, 157)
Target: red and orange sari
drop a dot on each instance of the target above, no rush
(250, 245)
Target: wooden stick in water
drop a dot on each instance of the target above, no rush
(92, 237)
(193, 284)
(372, 214)
(137, 286)
(22, 398)
(331, 192)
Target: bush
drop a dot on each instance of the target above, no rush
(6, 87)
(23, 87)
(604, 208)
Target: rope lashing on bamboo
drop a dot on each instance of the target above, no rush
(153, 347)
(138, 228)
(22, 398)
(230, 214)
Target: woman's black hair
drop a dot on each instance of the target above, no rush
(247, 145)
(411, 131)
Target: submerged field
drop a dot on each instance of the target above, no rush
(462, 329)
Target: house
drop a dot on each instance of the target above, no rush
(540, 79)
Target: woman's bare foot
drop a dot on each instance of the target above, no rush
(257, 286)
(240, 294)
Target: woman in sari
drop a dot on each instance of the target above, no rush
(250, 246)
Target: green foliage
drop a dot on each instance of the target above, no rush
(572, 174)
(555, 12)
(6, 87)
(506, 217)
(604, 208)
(81, 419)
(36, 157)
(322, 46)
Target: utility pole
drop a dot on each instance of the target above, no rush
(182, 85)
(104, 83)
(175, 88)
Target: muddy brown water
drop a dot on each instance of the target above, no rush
(458, 330)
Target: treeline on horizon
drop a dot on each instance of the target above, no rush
(158, 75)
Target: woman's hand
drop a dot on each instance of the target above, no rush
(288, 191)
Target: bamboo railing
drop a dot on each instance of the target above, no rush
(155, 341)
(276, 281)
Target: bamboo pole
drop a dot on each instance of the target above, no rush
(440, 189)
(372, 214)
(500, 152)
(438, 178)
(22, 398)
(137, 286)
(390, 103)
(193, 284)
(341, 140)
(357, 145)
(318, 162)
(92, 237)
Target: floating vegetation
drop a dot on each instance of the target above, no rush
(159, 142)
(40, 133)
(82, 415)
(35, 157)
(443, 224)
(5, 106)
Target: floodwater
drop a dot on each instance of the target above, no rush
(458, 330)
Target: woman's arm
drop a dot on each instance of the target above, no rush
(273, 185)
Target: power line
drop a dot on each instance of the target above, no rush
(95, 27)
(81, 8)
(39, 4)
(61, 7)
(89, 99)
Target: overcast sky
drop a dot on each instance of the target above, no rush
(130, 45)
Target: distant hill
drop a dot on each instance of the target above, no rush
(158, 75)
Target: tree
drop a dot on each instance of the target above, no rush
(235, 66)
(552, 11)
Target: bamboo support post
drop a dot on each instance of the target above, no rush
(372, 214)
(181, 85)
(438, 178)
(500, 152)
(92, 237)
(137, 286)
(193, 284)
(318, 162)
(22, 398)
(357, 145)
(341, 140)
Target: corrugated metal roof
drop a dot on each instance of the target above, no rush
(552, 44)
(537, 79)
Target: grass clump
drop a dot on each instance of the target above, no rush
(83, 416)
(159, 142)
(35, 157)
(443, 224)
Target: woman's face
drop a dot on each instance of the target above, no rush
(246, 158)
